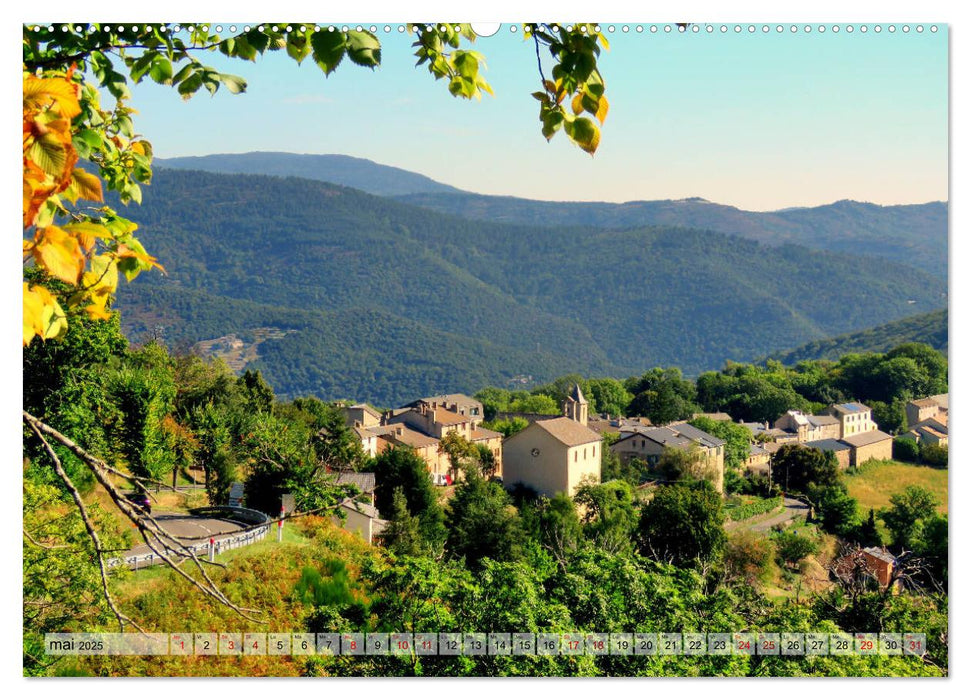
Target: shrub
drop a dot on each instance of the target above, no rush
(905, 449)
(934, 455)
(793, 548)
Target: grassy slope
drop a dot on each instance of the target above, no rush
(874, 484)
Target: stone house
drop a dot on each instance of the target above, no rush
(854, 418)
(921, 409)
(931, 430)
(361, 415)
(552, 456)
(648, 444)
(361, 519)
(874, 444)
(758, 458)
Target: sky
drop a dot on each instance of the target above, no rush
(758, 120)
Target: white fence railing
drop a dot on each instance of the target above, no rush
(201, 548)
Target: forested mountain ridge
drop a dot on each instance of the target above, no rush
(928, 328)
(509, 299)
(360, 173)
(914, 234)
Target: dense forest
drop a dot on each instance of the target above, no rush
(930, 329)
(605, 302)
(913, 234)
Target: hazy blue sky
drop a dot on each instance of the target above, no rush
(760, 121)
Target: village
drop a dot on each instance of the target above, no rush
(555, 454)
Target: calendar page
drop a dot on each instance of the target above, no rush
(541, 349)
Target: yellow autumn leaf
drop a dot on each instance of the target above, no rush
(43, 315)
(59, 253)
(602, 108)
(86, 233)
(83, 185)
(58, 93)
(577, 104)
(102, 277)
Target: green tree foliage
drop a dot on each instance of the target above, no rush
(144, 396)
(662, 395)
(62, 583)
(737, 439)
(836, 510)
(609, 514)
(683, 524)
(608, 396)
(907, 514)
(748, 393)
(255, 392)
(934, 455)
(798, 469)
(402, 535)
(482, 522)
(66, 388)
(748, 557)
(932, 548)
(336, 445)
(792, 547)
(401, 468)
(905, 449)
(677, 464)
(559, 527)
(890, 417)
(507, 426)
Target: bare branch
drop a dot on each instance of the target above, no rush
(88, 525)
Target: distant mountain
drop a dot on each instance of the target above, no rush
(392, 300)
(914, 234)
(924, 328)
(359, 173)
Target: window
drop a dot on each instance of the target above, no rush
(594, 450)
(575, 454)
(584, 452)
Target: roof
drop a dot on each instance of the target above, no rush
(941, 399)
(485, 434)
(662, 436)
(819, 421)
(689, 431)
(828, 445)
(932, 431)
(713, 416)
(457, 399)
(798, 416)
(568, 431)
(880, 553)
(363, 508)
(756, 449)
(938, 422)
(868, 438)
(850, 407)
(367, 409)
(363, 480)
(925, 403)
(404, 435)
(445, 417)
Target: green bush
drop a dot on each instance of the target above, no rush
(905, 449)
(934, 455)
